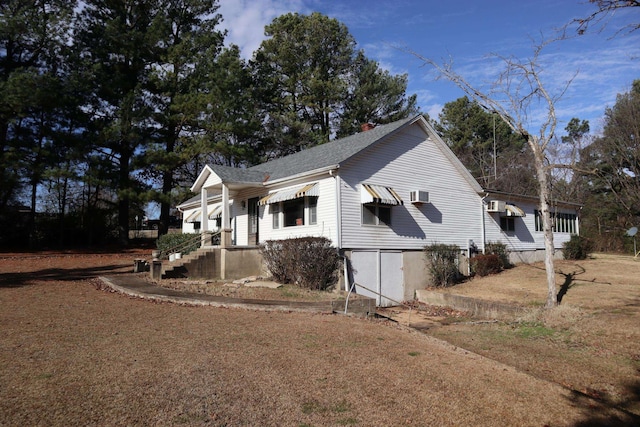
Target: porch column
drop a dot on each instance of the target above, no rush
(204, 224)
(225, 236)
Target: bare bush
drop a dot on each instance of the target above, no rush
(443, 264)
(309, 262)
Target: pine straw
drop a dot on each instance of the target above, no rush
(75, 355)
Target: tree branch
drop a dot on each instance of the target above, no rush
(606, 8)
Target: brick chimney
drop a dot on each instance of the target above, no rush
(367, 126)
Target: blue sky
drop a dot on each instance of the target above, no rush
(467, 32)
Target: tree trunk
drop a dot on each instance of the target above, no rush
(124, 200)
(167, 186)
(165, 205)
(547, 228)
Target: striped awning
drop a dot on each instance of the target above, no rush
(196, 216)
(216, 212)
(290, 194)
(513, 210)
(370, 193)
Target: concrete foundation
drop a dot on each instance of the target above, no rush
(238, 262)
(218, 263)
(415, 272)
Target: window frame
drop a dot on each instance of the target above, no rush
(508, 224)
(312, 209)
(274, 210)
(561, 222)
(375, 214)
(309, 212)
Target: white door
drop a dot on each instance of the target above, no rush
(364, 265)
(391, 278)
(379, 275)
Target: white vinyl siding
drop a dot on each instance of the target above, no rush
(325, 214)
(525, 236)
(409, 161)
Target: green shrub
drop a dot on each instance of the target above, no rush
(308, 262)
(499, 249)
(483, 265)
(186, 243)
(443, 264)
(577, 247)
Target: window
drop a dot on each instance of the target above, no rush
(560, 222)
(507, 223)
(291, 213)
(313, 210)
(375, 214)
(275, 214)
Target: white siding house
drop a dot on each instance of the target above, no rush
(381, 196)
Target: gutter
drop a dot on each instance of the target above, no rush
(339, 232)
(338, 209)
(198, 203)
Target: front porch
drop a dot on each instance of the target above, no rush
(215, 259)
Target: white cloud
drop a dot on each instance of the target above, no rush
(245, 20)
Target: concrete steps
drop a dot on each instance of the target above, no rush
(188, 264)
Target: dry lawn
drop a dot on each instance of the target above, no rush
(590, 344)
(72, 354)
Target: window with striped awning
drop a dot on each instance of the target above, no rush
(513, 210)
(370, 193)
(290, 194)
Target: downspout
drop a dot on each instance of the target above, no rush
(336, 179)
(339, 227)
(482, 224)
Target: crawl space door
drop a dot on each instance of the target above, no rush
(379, 274)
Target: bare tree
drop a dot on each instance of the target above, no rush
(606, 8)
(515, 92)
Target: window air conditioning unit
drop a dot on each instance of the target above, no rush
(419, 196)
(496, 206)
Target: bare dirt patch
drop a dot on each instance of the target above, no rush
(72, 354)
(258, 289)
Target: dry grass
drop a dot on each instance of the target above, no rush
(590, 343)
(250, 290)
(75, 355)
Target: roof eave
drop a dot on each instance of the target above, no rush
(527, 198)
(302, 175)
(202, 178)
(190, 204)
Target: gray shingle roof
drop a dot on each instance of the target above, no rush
(320, 156)
(239, 175)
